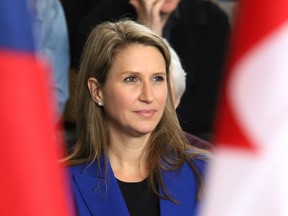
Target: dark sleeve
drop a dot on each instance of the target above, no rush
(202, 49)
(198, 142)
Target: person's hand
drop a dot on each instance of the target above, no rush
(148, 13)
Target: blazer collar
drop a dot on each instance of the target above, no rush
(98, 194)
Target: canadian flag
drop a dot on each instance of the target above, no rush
(248, 175)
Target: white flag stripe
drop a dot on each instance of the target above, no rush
(253, 186)
(222, 193)
(258, 89)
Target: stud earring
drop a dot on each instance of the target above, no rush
(100, 103)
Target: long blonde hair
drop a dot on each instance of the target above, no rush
(167, 147)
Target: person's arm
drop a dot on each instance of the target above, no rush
(54, 45)
(148, 13)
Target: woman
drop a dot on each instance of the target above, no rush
(131, 157)
(198, 31)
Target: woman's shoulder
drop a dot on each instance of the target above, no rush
(90, 168)
(201, 163)
(77, 168)
(196, 163)
(82, 168)
(198, 159)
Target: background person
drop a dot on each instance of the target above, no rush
(53, 43)
(178, 86)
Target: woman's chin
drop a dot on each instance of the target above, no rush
(143, 131)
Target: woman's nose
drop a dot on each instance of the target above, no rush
(146, 94)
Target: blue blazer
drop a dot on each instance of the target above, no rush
(93, 196)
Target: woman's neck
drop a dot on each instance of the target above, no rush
(127, 158)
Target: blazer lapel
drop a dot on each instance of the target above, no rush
(102, 197)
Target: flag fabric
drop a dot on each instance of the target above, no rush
(32, 181)
(248, 175)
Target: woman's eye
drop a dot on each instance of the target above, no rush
(131, 79)
(159, 78)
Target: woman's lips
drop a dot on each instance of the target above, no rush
(146, 113)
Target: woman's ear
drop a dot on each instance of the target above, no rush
(95, 90)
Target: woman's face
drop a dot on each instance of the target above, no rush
(135, 92)
(169, 6)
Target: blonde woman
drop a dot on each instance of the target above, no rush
(131, 157)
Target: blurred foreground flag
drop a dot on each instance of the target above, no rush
(249, 174)
(32, 182)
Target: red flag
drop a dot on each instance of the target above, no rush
(249, 174)
(32, 180)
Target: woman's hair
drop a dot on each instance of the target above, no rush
(167, 148)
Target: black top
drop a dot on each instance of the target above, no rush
(139, 198)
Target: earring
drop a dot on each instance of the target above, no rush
(100, 103)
